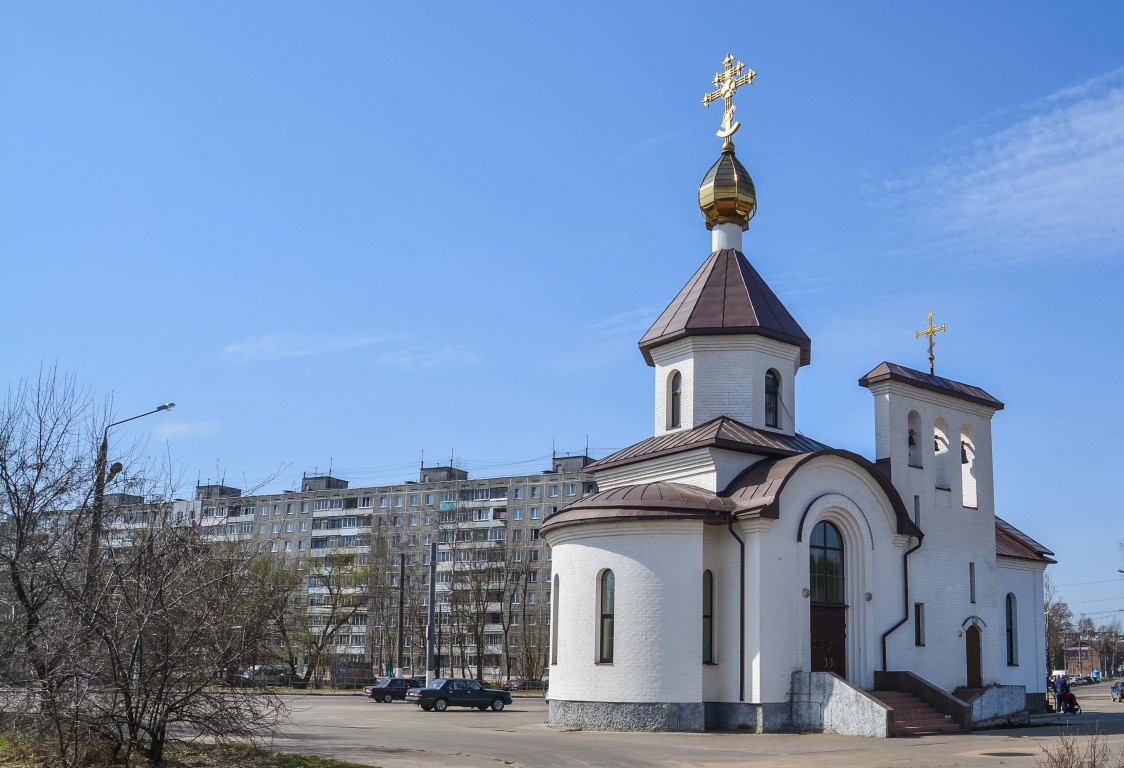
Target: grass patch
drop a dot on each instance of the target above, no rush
(245, 756)
(195, 756)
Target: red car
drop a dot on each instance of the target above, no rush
(387, 689)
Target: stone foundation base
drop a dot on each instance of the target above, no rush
(773, 717)
(626, 716)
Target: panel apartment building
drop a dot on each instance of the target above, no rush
(493, 572)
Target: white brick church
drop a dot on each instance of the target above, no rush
(732, 573)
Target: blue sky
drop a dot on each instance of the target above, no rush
(349, 233)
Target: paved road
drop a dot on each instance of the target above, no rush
(399, 735)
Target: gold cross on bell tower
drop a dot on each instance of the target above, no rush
(727, 82)
(930, 332)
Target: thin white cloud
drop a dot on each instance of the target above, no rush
(282, 346)
(170, 430)
(631, 321)
(1050, 181)
(423, 357)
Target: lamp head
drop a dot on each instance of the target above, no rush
(166, 407)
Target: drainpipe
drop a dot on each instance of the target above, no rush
(741, 611)
(905, 594)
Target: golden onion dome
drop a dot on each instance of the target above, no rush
(726, 194)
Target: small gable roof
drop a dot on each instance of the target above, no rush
(725, 296)
(894, 372)
(1011, 542)
(720, 432)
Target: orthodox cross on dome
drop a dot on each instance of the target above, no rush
(727, 82)
(930, 332)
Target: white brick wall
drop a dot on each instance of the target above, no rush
(725, 376)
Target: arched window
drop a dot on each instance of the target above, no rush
(1012, 631)
(708, 617)
(915, 440)
(772, 399)
(941, 455)
(675, 401)
(607, 600)
(967, 468)
(827, 565)
(554, 593)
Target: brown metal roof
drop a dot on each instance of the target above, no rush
(721, 432)
(650, 501)
(754, 493)
(895, 372)
(1011, 542)
(725, 296)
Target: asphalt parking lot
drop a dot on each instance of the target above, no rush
(400, 735)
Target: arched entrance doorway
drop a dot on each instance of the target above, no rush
(972, 656)
(828, 609)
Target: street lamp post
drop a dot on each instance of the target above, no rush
(101, 479)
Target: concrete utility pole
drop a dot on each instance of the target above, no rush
(429, 634)
(401, 609)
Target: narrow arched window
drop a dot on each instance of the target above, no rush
(967, 469)
(914, 439)
(826, 572)
(708, 617)
(607, 600)
(1012, 631)
(554, 593)
(772, 399)
(675, 412)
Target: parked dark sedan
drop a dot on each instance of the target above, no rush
(387, 689)
(445, 692)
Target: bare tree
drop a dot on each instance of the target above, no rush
(122, 631)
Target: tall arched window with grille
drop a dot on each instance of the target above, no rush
(606, 609)
(675, 401)
(772, 399)
(708, 617)
(1012, 630)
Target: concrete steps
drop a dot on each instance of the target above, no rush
(912, 716)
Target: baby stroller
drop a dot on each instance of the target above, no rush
(1069, 703)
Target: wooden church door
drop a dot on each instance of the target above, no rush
(972, 654)
(828, 620)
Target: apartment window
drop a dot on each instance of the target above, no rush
(288, 527)
(429, 498)
(261, 528)
(480, 515)
(919, 623)
(427, 539)
(497, 534)
(534, 513)
(300, 545)
(277, 527)
(517, 555)
(972, 582)
(517, 534)
(517, 514)
(606, 600)
(398, 501)
(428, 519)
(264, 510)
(708, 618)
(413, 499)
(518, 491)
(536, 492)
(483, 494)
(304, 507)
(397, 522)
(552, 491)
(571, 489)
(532, 597)
(288, 546)
(288, 509)
(382, 502)
(413, 519)
(304, 526)
(273, 546)
(534, 555)
(326, 504)
(534, 533)
(366, 502)
(276, 509)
